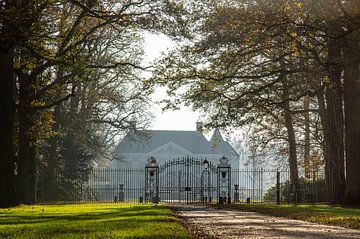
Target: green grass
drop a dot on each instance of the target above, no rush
(325, 214)
(90, 221)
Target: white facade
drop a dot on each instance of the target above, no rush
(132, 154)
(137, 147)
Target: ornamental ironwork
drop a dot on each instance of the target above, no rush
(224, 181)
(186, 180)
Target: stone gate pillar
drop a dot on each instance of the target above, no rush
(224, 181)
(152, 181)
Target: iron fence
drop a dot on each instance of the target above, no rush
(184, 183)
(274, 186)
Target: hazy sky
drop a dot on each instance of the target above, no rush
(183, 119)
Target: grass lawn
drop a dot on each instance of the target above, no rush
(90, 221)
(332, 215)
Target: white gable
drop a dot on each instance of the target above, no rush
(164, 145)
(170, 148)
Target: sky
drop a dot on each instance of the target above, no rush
(183, 119)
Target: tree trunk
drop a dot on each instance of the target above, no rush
(307, 165)
(27, 146)
(53, 160)
(70, 145)
(7, 111)
(335, 120)
(326, 145)
(352, 116)
(293, 164)
(294, 175)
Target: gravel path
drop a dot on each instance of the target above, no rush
(211, 222)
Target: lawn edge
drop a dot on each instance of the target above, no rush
(297, 216)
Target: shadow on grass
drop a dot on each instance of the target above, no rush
(102, 222)
(44, 217)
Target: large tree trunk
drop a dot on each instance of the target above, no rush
(27, 146)
(7, 111)
(293, 164)
(334, 113)
(326, 145)
(352, 116)
(294, 175)
(53, 160)
(70, 145)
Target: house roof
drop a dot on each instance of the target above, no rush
(145, 141)
(217, 142)
(216, 138)
(226, 148)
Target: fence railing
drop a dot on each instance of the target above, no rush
(128, 185)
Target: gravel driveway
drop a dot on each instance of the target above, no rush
(211, 222)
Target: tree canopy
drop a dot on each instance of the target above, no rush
(273, 64)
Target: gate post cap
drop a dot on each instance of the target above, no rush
(224, 161)
(205, 164)
(152, 161)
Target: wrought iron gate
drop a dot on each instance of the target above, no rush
(187, 180)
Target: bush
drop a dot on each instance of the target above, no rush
(309, 192)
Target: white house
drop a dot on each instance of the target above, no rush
(174, 152)
(138, 146)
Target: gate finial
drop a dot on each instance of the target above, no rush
(205, 164)
(151, 162)
(224, 162)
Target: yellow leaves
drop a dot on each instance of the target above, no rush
(287, 6)
(293, 48)
(126, 17)
(147, 81)
(293, 43)
(42, 126)
(36, 103)
(206, 86)
(326, 78)
(293, 34)
(293, 9)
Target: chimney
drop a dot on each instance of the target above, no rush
(199, 126)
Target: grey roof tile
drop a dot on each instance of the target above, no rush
(145, 141)
(226, 148)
